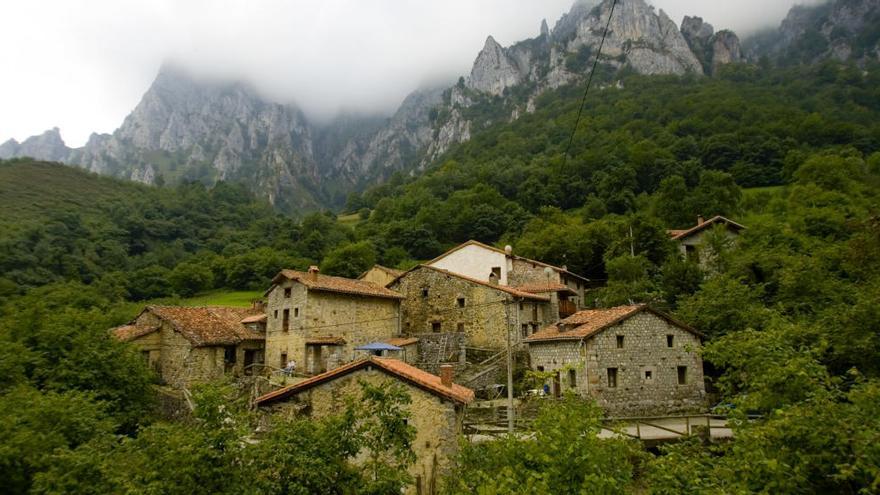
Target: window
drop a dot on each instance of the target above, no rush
(572, 378)
(690, 251)
(682, 375)
(229, 354)
(525, 330)
(541, 369)
(612, 377)
(276, 314)
(285, 324)
(425, 292)
(534, 312)
(460, 302)
(287, 293)
(436, 327)
(649, 375)
(496, 270)
(521, 306)
(620, 341)
(283, 360)
(295, 312)
(460, 327)
(670, 339)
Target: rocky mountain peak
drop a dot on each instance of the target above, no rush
(545, 30)
(47, 146)
(712, 49)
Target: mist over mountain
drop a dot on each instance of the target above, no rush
(187, 128)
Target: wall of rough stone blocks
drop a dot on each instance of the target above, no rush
(357, 319)
(437, 421)
(644, 349)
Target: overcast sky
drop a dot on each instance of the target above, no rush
(82, 65)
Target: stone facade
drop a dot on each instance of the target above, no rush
(437, 420)
(692, 242)
(181, 363)
(380, 275)
(437, 301)
(324, 327)
(659, 369)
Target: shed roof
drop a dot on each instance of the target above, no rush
(392, 367)
(132, 331)
(590, 322)
(402, 341)
(320, 282)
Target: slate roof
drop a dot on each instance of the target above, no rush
(590, 322)
(503, 288)
(335, 284)
(393, 367)
(207, 326)
(130, 332)
(521, 258)
(682, 234)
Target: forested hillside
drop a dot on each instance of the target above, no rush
(790, 311)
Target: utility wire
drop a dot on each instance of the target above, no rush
(589, 83)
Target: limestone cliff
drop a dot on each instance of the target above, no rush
(711, 48)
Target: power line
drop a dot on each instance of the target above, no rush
(589, 83)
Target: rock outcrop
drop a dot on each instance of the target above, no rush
(711, 48)
(47, 146)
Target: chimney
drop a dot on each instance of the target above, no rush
(259, 305)
(508, 250)
(313, 273)
(700, 220)
(446, 373)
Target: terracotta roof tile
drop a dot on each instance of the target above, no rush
(257, 318)
(130, 332)
(212, 325)
(410, 374)
(402, 341)
(503, 288)
(544, 287)
(336, 284)
(589, 322)
(681, 234)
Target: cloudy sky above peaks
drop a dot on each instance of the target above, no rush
(82, 65)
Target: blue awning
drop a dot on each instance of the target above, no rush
(378, 346)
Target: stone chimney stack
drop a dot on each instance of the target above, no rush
(446, 374)
(700, 220)
(313, 273)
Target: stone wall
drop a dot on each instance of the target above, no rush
(357, 319)
(644, 350)
(438, 422)
(378, 276)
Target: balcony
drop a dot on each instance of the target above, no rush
(566, 309)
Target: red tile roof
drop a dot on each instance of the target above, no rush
(398, 369)
(325, 341)
(254, 318)
(681, 234)
(207, 326)
(335, 284)
(544, 287)
(503, 288)
(130, 332)
(587, 323)
(402, 341)
(492, 248)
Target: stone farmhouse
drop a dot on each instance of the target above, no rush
(483, 262)
(189, 345)
(436, 411)
(380, 275)
(478, 313)
(633, 360)
(318, 321)
(690, 241)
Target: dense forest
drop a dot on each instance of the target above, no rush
(790, 311)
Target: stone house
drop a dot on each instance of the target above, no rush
(633, 360)
(690, 241)
(186, 345)
(318, 320)
(436, 411)
(438, 301)
(380, 275)
(483, 262)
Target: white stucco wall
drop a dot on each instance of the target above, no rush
(475, 262)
